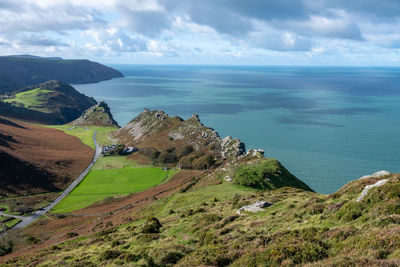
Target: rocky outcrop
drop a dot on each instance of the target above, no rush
(255, 207)
(375, 175)
(156, 129)
(368, 187)
(97, 115)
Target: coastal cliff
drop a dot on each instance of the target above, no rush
(21, 71)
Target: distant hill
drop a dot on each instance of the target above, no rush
(19, 71)
(36, 57)
(97, 115)
(52, 102)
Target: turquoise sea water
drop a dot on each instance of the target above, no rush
(327, 125)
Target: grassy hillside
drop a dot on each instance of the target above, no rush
(35, 99)
(52, 102)
(200, 226)
(86, 135)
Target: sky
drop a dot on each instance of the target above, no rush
(222, 32)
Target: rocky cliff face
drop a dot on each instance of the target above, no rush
(156, 129)
(97, 115)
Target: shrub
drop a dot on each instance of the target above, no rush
(184, 151)
(72, 234)
(168, 156)
(154, 154)
(171, 257)
(146, 238)
(115, 243)
(109, 255)
(32, 239)
(215, 255)
(7, 243)
(350, 211)
(204, 162)
(207, 238)
(186, 162)
(131, 257)
(151, 226)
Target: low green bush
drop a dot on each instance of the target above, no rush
(109, 255)
(151, 226)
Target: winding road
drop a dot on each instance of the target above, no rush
(26, 220)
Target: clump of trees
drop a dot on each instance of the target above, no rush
(185, 157)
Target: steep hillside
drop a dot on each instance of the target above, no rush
(21, 71)
(200, 226)
(36, 159)
(172, 140)
(97, 115)
(52, 102)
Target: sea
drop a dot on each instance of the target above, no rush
(326, 125)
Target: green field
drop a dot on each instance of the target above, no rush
(35, 99)
(115, 162)
(104, 183)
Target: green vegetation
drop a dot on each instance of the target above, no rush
(102, 136)
(86, 136)
(104, 183)
(12, 223)
(35, 99)
(115, 162)
(266, 173)
(201, 227)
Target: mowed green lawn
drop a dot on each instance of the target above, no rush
(103, 183)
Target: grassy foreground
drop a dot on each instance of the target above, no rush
(200, 227)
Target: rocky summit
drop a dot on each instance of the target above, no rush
(97, 115)
(186, 140)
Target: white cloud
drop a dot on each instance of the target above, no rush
(207, 28)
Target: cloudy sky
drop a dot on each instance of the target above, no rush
(267, 32)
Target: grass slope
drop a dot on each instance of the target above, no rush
(200, 228)
(86, 136)
(100, 184)
(35, 99)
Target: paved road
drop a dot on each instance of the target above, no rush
(25, 220)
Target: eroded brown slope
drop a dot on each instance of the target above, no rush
(35, 159)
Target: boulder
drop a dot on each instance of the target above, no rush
(255, 207)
